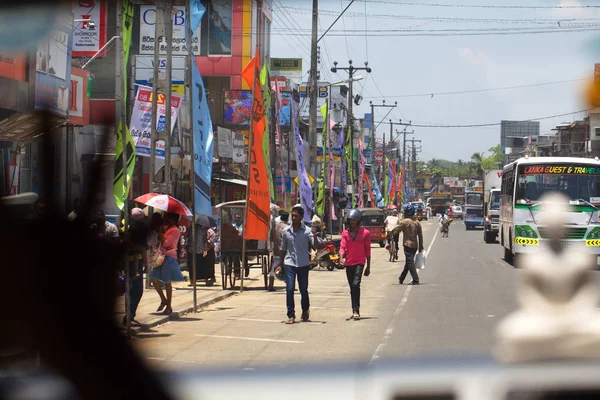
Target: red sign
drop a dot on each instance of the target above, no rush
(89, 28)
(79, 107)
(13, 66)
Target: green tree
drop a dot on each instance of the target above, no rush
(478, 164)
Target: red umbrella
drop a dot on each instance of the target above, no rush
(164, 202)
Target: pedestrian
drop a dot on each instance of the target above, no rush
(294, 256)
(205, 255)
(138, 242)
(276, 238)
(412, 240)
(103, 227)
(168, 272)
(355, 250)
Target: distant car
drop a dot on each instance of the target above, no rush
(458, 212)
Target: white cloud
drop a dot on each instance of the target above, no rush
(473, 57)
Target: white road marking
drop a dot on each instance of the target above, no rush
(390, 330)
(250, 338)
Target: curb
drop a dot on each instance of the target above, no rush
(178, 314)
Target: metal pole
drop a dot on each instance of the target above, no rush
(312, 111)
(121, 110)
(190, 101)
(327, 170)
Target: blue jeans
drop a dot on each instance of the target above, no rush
(136, 289)
(290, 286)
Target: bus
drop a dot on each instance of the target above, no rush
(439, 202)
(473, 215)
(526, 180)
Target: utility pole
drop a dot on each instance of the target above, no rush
(162, 83)
(414, 158)
(312, 88)
(351, 69)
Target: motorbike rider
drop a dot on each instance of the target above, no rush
(355, 249)
(450, 213)
(392, 221)
(412, 241)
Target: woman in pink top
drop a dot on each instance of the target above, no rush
(355, 249)
(169, 270)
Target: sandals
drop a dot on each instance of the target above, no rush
(355, 316)
(290, 321)
(162, 305)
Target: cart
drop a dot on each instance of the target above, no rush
(231, 241)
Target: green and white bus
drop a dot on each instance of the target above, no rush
(526, 180)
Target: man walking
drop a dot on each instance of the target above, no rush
(413, 241)
(276, 238)
(355, 249)
(294, 256)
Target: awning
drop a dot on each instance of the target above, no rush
(24, 127)
(233, 181)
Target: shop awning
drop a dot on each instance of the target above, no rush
(24, 127)
(233, 181)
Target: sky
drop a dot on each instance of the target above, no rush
(407, 65)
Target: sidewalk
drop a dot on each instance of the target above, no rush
(183, 299)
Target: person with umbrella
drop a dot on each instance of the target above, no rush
(205, 250)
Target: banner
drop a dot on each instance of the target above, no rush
(321, 186)
(400, 176)
(239, 147)
(349, 169)
(258, 213)
(225, 141)
(343, 163)
(376, 190)
(120, 190)
(305, 188)
(141, 121)
(202, 128)
(265, 83)
(392, 183)
(371, 194)
(361, 172)
(89, 38)
(331, 176)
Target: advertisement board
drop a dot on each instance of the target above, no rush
(219, 27)
(144, 68)
(290, 68)
(89, 36)
(79, 104)
(13, 66)
(147, 41)
(53, 68)
(237, 107)
(141, 121)
(225, 146)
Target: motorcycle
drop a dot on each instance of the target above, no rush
(420, 216)
(326, 257)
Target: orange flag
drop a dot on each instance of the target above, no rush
(257, 221)
(366, 179)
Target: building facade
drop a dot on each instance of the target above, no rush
(515, 129)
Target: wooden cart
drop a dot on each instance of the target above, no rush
(230, 239)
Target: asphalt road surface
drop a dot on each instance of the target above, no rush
(466, 288)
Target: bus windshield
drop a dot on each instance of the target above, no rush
(474, 199)
(576, 181)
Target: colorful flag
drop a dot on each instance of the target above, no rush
(305, 186)
(343, 162)
(349, 169)
(361, 172)
(371, 194)
(120, 190)
(266, 87)
(201, 126)
(331, 176)
(257, 222)
(392, 179)
(321, 186)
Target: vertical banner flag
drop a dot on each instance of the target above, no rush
(121, 191)
(278, 137)
(349, 169)
(392, 179)
(343, 163)
(385, 188)
(399, 187)
(321, 186)
(371, 194)
(201, 126)
(305, 187)
(265, 81)
(331, 175)
(259, 199)
(361, 172)
(377, 191)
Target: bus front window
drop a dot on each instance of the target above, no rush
(583, 182)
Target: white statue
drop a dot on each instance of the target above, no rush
(558, 317)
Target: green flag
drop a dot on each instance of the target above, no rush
(385, 181)
(321, 187)
(265, 81)
(120, 190)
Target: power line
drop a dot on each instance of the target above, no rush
(403, 3)
(494, 123)
(485, 90)
(344, 24)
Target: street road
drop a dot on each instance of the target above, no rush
(466, 288)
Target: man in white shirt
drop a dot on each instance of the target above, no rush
(391, 222)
